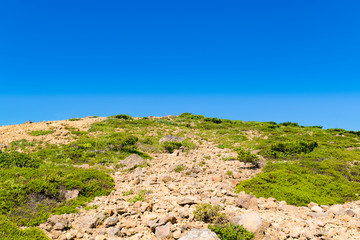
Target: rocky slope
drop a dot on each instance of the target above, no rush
(157, 201)
(171, 197)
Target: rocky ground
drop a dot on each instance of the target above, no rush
(61, 133)
(169, 196)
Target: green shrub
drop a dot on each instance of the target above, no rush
(23, 143)
(79, 133)
(300, 183)
(28, 196)
(214, 120)
(230, 231)
(9, 231)
(289, 124)
(247, 157)
(171, 146)
(283, 149)
(16, 159)
(209, 214)
(191, 116)
(140, 196)
(74, 119)
(123, 116)
(179, 168)
(41, 132)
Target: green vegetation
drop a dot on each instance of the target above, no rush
(247, 157)
(179, 168)
(41, 132)
(209, 214)
(219, 223)
(74, 119)
(139, 197)
(28, 196)
(303, 164)
(230, 231)
(9, 231)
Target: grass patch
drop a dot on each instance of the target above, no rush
(41, 132)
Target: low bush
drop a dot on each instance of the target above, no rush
(28, 196)
(289, 124)
(283, 149)
(209, 214)
(247, 157)
(230, 231)
(171, 146)
(9, 231)
(123, 116)
(16, 159)
(179, 168)
(302, 182)
(214, 120)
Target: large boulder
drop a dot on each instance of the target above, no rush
(170, 138)
(200, 234)
(251, 221)
(133, 160)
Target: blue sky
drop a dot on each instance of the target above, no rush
(250, 60)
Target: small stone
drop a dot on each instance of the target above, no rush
(59, 226)
(111, 221)
(168, 218)
(163, 232)
(186, 201)
(316, 209)
(312, 204)
(350, 212)
(166, 179)
(217, 179)
(247, 201)
(114, 231)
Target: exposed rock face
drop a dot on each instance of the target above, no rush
(200, 234)
(170, 138)
(133, 160)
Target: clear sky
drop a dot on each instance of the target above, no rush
(249, 60)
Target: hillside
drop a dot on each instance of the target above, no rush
(69, 179)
